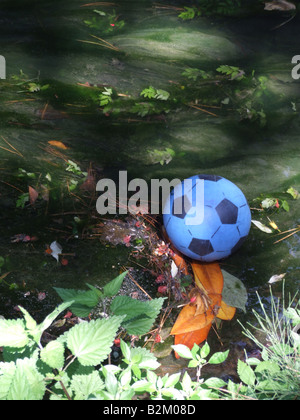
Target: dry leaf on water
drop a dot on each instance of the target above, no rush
(276, 278)
(195, 320)
(261, 226)
(58, 144)
(190, 338)
(226, 312)
(33, 195)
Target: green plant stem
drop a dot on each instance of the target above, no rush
(65, 391)
(71, 361)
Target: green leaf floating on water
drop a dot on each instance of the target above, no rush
(234, 291)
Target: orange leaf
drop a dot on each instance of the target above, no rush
(58, 144)
(208, 276)
(189, 339)
(188, 321)
(226, 312)
(180, 263)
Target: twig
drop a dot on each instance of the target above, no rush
(161, 6)
(294, 231)
(98, 3)
(136, 283)
(16, 188)
(16, 152)
(103, 44)
(283, 23)
(19, 100)
(44, 110)
(203, 110)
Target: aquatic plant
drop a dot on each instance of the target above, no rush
(211, 8)
(105, 97)
(153, 93)
(106, 22)
(232, 71)
(189, 13)
(277, 200)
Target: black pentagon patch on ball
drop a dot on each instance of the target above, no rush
(228, 212)
(238, 245)
(201, 247)
(214, 178)
(181, 207)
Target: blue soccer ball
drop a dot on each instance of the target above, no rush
(207, 218)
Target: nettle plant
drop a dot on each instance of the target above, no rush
(75, 366)
(70, 367)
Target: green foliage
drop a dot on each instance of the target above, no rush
(197, 357)
(22, 173)
(157, 102)
(137, 316)
(153, 93)
(221, 8)
(212, 8)
(29, 370)
(22, 200)
(189, 13)
(105, 97)
(233, 72)
(85, 301)
(194, 74)
(91, 342)
(247, 93)
(143, 108)
(294, 193)
(277, 200)
(105, 22)
(29, 366)
(277, 375)
(75, 169)
(161, 156)
(30, 85)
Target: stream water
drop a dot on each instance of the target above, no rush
(43, 40)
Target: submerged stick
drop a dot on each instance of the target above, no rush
(16, 152)
(98, 3)
(203, 110)
(104, 43)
